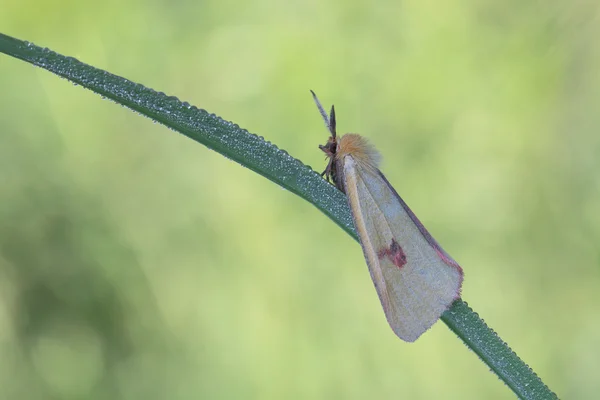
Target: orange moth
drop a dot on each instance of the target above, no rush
(416, 280)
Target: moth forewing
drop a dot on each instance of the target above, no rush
(415, 285)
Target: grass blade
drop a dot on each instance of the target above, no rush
(263, 157)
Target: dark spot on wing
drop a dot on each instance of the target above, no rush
(394, 253)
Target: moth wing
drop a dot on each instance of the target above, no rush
(415, 279)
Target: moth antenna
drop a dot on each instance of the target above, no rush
(324, 115)
(332, 122)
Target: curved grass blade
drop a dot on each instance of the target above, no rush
(263, 157)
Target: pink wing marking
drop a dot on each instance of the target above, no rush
(394, 253)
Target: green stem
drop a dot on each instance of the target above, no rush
(495, 352)
(263, 157)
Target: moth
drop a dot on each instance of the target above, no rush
(416, 280)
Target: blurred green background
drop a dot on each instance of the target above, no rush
(137, 264)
